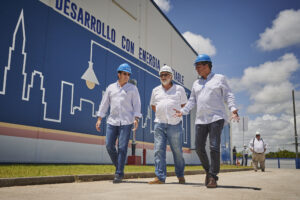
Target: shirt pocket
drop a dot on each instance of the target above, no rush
(175, 98)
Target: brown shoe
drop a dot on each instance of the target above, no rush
(212, 183)
(181, 180)
(206, 179)
(156, 181)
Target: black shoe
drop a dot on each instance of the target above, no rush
(118, 179)
(263, 170)
(212, 183)
(206, 179)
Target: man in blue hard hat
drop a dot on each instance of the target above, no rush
(125, 110)
(209, 93)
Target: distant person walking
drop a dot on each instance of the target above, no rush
(209, 93)
(245, 156)
(167, 128)
(234, 155)
(125, 110)
(258, 148)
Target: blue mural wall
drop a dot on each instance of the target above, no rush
(43, 57)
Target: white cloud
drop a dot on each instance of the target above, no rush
(199, 43)
(268, 85)
(283, 33)
(273, 93)
(164, 5)
(270, 92)
(271, 72)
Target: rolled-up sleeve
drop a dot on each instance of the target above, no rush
(251, 144)
(152, 99)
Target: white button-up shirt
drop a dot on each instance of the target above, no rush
(258, 146)
(124, 102)
(167, 100)
(210, 95)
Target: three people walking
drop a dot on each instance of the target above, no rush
(169, 102)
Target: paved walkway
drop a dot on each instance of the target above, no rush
(272, 184)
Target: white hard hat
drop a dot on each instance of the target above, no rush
(257, 133)
(166, 68)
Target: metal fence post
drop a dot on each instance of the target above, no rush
(297, 160)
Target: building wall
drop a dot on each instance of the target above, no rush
(58, 57)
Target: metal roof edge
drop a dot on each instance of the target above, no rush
(152, 1)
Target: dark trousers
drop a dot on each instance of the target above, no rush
(234, 159)
(245, 158)
(214, 131)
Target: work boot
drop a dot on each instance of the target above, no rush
(206, 179)
(263, 170)
(156, 181)
(117, 179)
(212, 183)
(181, 180)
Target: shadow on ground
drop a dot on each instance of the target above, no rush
(199, 184)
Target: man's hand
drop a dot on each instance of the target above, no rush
(178, 113)
(98, 123)
(235, 116)
(135, 124)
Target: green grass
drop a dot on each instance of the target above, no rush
(33, 170)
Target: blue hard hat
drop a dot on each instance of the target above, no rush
(202, 58)
(124, 68)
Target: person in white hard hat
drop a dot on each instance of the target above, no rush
(164, 99)
(258, 148)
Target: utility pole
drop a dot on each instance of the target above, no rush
(243, 134)
(295, 125)
(243, 126)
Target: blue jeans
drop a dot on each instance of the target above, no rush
(172, 134)
(122, 133)
(214, 131)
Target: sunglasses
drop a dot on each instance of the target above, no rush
(164, 75)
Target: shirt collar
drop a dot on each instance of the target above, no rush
(168, 89)
(119, 86)
(210, 75)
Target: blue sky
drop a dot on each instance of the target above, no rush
(256, 44)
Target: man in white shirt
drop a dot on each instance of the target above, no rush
(125, 110)
(258, 148)
(209, 93)
(245, 156)
(164, 99)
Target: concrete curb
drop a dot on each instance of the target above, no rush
(8, 182)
